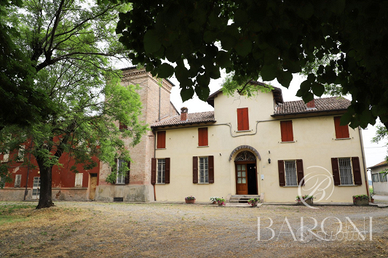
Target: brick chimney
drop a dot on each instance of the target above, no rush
(184, 112)
(311, 104)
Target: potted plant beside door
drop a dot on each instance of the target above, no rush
(253, 201)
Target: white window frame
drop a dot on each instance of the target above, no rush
(21, 153)
(120, 179)
(18, 180)
(345, 171)
(78, 179)
(290, 175)
(203, 170)
(36, 188)
(161, 175)
(5, 157)
(375, 178)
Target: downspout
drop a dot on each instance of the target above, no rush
(160, 96)
(363, 162)
(28, 170)
(154, 157)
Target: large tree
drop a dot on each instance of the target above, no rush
(270, 39)
(70, 46)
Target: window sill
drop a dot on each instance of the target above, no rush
(290, 186)
(203, 183)
(341, 139)
(288, 142)
(160, 183)
(347, 185)
(203, 146)
(244, 131)
(160, 148)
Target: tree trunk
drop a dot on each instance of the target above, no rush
(45, 196)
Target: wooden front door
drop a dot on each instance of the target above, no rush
(241, 179)
(93, 186)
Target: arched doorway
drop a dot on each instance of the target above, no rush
(246, 173)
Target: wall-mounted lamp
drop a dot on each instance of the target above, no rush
(220, 154)
(269, 161)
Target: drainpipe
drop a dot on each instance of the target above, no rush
(28, 170)
(363, 161)
(154, 157)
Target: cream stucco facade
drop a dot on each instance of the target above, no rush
(314, 142)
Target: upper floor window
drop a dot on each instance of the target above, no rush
(341, 131)
(286, 131)
(161, 140)
(202, 137)
(242, 119)
(18, 180)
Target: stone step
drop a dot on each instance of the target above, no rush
(242, 198)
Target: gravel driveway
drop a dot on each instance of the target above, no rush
(92, 229)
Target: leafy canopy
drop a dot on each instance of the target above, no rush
(272, 39)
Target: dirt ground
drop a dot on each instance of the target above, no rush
(92, 229)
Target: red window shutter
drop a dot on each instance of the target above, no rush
(286, 131)
(161, 141)
(341, 131)
(167, 171)
(211, 169)
(336, 176)
(127, 174)
(202, 137)
(242, 119)
(299, 170)
(153, 171)
(282, 181)
(195, 170)
(356, 171)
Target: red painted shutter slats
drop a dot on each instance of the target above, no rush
(167, 171)
(286, 131)
(195, 170)
(153, 171)
(341, 131)
(161, 140)
(242, 119)
(299, 170)
(202, 137)
(211, 169)
(336, 175)
(282, 181)
(356, 171)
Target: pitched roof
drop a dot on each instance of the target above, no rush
(192, 118)
(277, 93)
(321, 105)
(382, 163)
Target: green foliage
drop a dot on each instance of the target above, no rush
(339, 45)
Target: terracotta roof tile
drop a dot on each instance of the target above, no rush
(383, 163)
(322, 104)
(192, 118)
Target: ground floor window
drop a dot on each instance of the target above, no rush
(345, 170)
(203, 170)
(36, 188)
(383, 177)
(18, 180)
(290, 172)
(375, 178)
(161, 171)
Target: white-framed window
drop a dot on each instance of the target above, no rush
(290, 173)
(5, 157)
(161, 171)
(383, 177)
(203, 175)
(78, 179)
(21, 153)
(18, 180)
(375, 178)
(345, 170)
(120, 171)
(36, 188)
